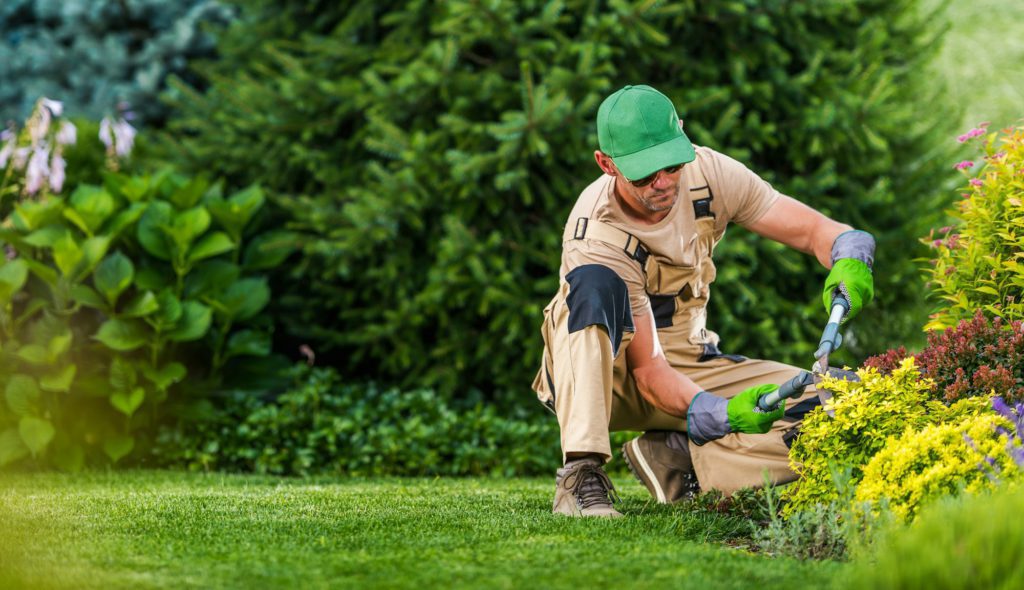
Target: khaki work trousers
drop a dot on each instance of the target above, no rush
(592, 393)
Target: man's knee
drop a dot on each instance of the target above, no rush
(599, 297)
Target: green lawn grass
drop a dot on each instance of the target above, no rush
(177, 530)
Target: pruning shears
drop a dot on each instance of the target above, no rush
(830, 341)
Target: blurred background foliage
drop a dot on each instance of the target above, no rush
(91, 54)
(420, 158)
(431, 152)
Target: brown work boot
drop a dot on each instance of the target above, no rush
(660, 459)
(583, 489)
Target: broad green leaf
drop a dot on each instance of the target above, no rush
(244, 299)
(270, 249)
(211, 276)
(235, 212)
(193, 324)
(188, 225)
(36, 433)
(170, 310)
(249, 343)
(74, 217)
(127, 402)
(152, 229)
(88, 297)
(153, 279)
(46, 237)
(43, 271)
(32, 215)
(59, 381)
(22, 394)
(118, 446)
(113, 276)
(187, 195)
(141, 305)
(93, 205)
(123, 219)
(33, 354)
(13, 275)
(58, 345)
(67, 254)
(93, 251)
(123, 375)
(122, 335)
(11, 447)
(166, 376)
(211, 245)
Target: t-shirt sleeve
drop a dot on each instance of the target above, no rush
(746, 197)
(576, 253)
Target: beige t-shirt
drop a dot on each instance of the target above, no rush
(713, 191)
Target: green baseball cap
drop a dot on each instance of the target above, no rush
(639, 129)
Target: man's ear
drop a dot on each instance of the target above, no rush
(605, 163)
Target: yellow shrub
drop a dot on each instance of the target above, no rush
(938, 460)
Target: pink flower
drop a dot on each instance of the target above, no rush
(976, 182)
(57, 168)
(946, 230)
(964, 165)
(124, 137)
(67, 135)
(38, 170)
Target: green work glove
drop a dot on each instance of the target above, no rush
(711, 417)
(854, 280)
(745, 416)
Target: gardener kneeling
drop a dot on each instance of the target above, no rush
(625, 341)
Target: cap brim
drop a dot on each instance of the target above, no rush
(637, 165)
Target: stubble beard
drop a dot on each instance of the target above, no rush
(649, 203)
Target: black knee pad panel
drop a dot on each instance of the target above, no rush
(599, 297)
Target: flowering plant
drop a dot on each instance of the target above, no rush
(977, 262)
(32, 161)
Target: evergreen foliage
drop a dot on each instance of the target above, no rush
(432, 151)
(95, 53)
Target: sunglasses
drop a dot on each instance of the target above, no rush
(646, 180)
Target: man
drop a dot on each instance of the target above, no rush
(626, 346)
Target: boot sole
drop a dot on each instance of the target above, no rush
(654, 487)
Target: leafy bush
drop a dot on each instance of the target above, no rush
(976, 265)
(867, 413)
(96, 53)
(973, 541)
(974, 359)
(324, 426)
(433, 151)
(101, 294)
(939, 460)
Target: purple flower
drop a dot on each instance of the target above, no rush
(20, 157)
(54, 106)
(8, 149)
(964, 165)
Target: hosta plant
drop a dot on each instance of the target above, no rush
(112, 296)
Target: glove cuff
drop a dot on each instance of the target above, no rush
(707, 418)
(856, 244)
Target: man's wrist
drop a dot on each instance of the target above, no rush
(707, 418)
(855, 243)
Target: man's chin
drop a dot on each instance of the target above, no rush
(659, 204)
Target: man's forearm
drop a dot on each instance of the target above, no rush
(666, 389)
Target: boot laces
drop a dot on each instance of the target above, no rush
(591, 486)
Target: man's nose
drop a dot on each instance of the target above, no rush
(663, 181)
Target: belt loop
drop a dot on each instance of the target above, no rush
(581, 228)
